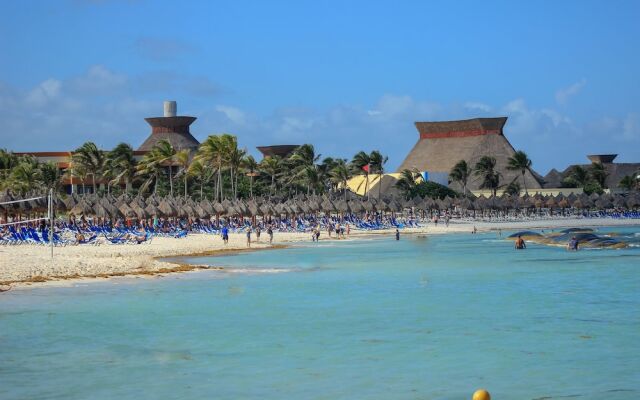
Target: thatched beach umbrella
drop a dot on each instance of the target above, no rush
(167, 209)
(82, 208)
(152, 210)
(619, 202)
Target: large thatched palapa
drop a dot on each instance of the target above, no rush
(442, 144)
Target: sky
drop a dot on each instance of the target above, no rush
(343, 75)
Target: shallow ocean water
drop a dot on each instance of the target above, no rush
(422, 318)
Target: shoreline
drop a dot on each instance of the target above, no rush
(81, 264)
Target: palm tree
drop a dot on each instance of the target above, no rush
(91, 159)
(49, 175)
(25, 176)
(513, 188)
(212, 153)
(520, 162)
(407, 181)
(340, 175)
(324, 172)
(303, 166)
(153, 163)
(486, 169)
(362, 162)
(629, 182)
(460, 173)
(121, 165)
(8, 160)
(251, 166)
(377, 166)
(183, 159)
(599, 174)
(579, 176)
(235, 157)
(271, 166)
(201, 172)
(163, 153)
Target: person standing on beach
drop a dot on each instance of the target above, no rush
(248, 236)
(397, 234)
(225, 234)
(520, 244)
(348, 230)
(258, 233)
(270, 233)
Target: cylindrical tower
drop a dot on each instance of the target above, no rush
(170, 108)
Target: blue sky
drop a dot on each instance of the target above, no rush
(343, 75)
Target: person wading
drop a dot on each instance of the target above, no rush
(520, 244)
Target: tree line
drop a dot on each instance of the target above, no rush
(591, 179)
(217, 169)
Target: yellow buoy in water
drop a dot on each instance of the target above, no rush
(481, 394)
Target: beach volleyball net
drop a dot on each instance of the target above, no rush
(48, 218)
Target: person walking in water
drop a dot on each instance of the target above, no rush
(520, 244)
(397, 234)
(573, 244)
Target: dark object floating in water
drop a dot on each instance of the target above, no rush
(580, 236)
(571, 230)
(585, 238)
(524, 234)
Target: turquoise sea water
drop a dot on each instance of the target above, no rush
(423, 318)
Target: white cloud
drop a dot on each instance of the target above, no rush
(477, 106)
(43, 93)
(235, 115)
(99, 80)
(390, 107)
(563, 95)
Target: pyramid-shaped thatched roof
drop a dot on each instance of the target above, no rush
(442, 144)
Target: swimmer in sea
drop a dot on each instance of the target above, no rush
(520, 244)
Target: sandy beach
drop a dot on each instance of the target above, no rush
(27, 265)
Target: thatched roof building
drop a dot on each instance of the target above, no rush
(615, 171)
(442, 144)
(280, 150)
(171, 127)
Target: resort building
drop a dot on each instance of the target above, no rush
(281, 150)
(170, 126)
(615, 171)
(441, 145)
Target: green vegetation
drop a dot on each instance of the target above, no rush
(218, 169)
(411, 185)
(520, 162)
